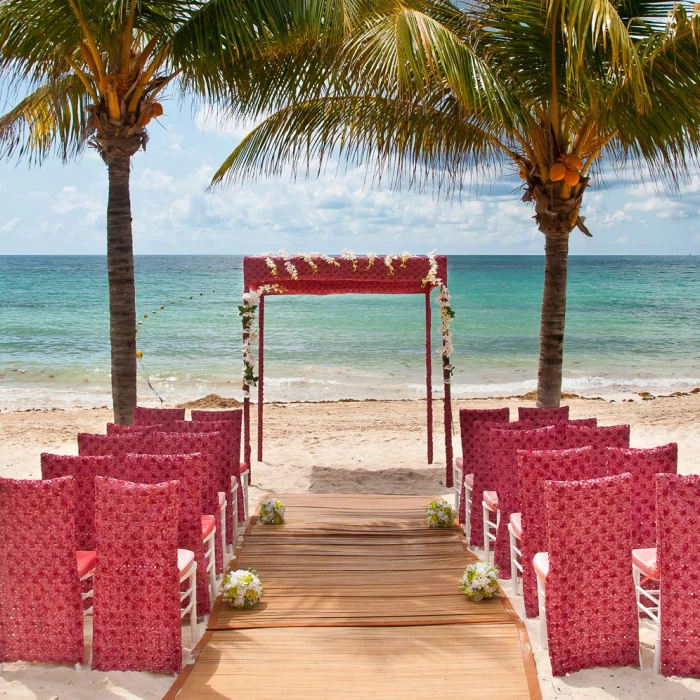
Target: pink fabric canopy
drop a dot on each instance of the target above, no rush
(348, 277)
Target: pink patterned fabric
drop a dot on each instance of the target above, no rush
(234, 416)
(187, 469)
(481, 468)
(137, 591)
(679, 556)
(644, 465)
(467, 418)
(41, 609)
(588, 422)
(590, 604)
(555, 415)
(209, 445)
(116, 429)
(152, 416)
(229, 457)
(83, 470)
(503, 457)
(534, 468)
(598, 438)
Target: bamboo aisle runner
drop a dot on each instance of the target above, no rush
(360, 599)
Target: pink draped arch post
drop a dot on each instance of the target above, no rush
(322, 275)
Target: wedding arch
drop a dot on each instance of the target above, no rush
(315, 274)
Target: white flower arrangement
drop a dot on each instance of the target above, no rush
(440, 514)
(271, 512)
(371, 257)
(271, 264)
(388, 262)
(328, 259)
(308, 258)
(405, 257)
(479, 581)
(242, 588)
(349, 255)
(288, 264)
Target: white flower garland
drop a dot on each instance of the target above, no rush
(251, 300)
(288, 264)
(405, 257)
(271, 264)
(446, 316)
(308, 259)
(371, 257)
(271, 512)
(479, 581)
(387, 261)
(242, 588)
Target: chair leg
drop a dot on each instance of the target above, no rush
(234, 505)
(487, 540)
(514, 568)
(457, 485)
(543, 616)
(223, 533)
(657, 646)
(193, 610)
(468, 514)
(246, 507)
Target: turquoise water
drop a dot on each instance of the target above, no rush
(633, 324)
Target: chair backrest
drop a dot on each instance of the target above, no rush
(234, 418)
(187, 470)
(41, 608)
(589, 422)
(467, 418)
(225, 445)
(481, 468)
(643, 464)
(590, 604)
(83, 470)
(136, 599)
(534, 468)
(598, 438)
(560, 413)
(503, 457)
(97, 445)
(151, 416)
(678, 507)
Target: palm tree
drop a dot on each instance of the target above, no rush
(428, 91)
(93, 72)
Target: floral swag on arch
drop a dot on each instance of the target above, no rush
(251, 301)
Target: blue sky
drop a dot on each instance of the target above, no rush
(59, 209)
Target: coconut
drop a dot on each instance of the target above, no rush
(557, 172)
(156, 109)
(573, 162)
(571, 177)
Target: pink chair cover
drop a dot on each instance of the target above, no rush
(467, 418)
(481, 468)
(679, 561)
(589, 422)
(137, 591)
(534, 468)
(503, 457)
(187, 469)
(561, 413)
(41, 609)
(590, 604)
(230, 458)
(151, 416)
(644, 465)
(83, 470)
(156, 442)
(598, 438)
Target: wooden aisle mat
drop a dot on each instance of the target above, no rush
(360, 598)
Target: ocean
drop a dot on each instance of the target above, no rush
(633, 325)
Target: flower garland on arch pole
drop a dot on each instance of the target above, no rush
(447, 314)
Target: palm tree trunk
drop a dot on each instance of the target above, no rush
(122, 296)
(553, 319)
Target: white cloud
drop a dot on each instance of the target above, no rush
(70, 199)
(214, 120)
(10, 225)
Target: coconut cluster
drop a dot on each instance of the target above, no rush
(567, 169)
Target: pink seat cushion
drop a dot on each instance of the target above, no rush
(460, 463)
(469, 481)
(491, 499)
(208, 524)
(516, 524)
(243, 467)
(86, 562)
(646, 560)
(541, 564)
(222, 498)
(184, 560)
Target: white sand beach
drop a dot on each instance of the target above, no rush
(349, 447)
